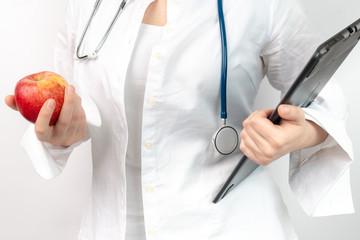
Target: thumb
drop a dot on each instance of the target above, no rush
(45, 113)
(10, 101)
(291, 113)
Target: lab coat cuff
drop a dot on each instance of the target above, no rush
(319, 176)
(48, 160)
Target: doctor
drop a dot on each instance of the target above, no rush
(155, 87)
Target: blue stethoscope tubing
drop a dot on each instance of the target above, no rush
(226, 138)
(224, 58)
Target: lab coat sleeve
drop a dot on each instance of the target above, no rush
(49, 160)
(318, 176)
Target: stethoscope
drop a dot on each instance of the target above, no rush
(226, 138)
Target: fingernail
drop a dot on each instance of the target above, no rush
(70, 89)
(50, 104)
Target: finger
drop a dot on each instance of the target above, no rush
(261, 154)
(82, 129)
(248, 153)
(10, 101)
(66, 112)
(291, 113)
(42, 128)
(248, 146)
(78, 130)
(258, 125)
(75, 120)
(258, 140)
(268, 112)
(261, 113)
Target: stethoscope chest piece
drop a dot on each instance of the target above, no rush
(226, 140)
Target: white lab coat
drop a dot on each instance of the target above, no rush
(181, 170)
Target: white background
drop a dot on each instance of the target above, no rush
(32, 208)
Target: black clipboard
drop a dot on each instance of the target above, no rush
(321, 67)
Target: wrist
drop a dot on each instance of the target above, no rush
(313, 135)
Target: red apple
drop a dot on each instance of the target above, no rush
(31, 93)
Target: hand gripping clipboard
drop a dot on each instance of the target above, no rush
(321, 67)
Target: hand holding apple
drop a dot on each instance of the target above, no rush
(31, 92)
(70, 126)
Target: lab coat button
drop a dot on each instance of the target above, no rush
(149, 189)
(148, 145)
(169, 29)
(158, 56)
(174, 2)
(152, 232)
(151, 102)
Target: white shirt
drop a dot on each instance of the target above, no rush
(181, 172)
(135, 85)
